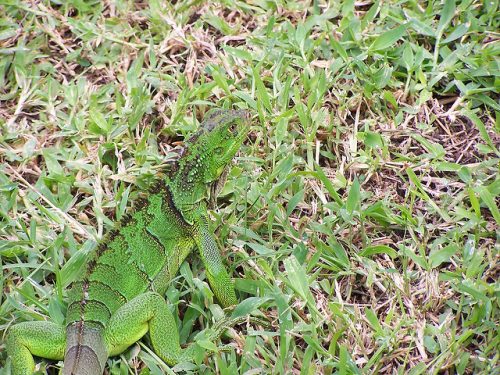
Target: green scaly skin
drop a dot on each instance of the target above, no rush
(119, 296)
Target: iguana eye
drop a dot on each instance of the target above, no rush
(219, 150)
(233, 128)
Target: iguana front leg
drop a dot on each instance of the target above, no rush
(43, 339)
(217, 275)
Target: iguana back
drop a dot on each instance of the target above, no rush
(144, 253)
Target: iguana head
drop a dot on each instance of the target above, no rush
(206, 155)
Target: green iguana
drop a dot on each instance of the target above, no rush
(119, 296)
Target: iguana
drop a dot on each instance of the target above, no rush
(119, 296)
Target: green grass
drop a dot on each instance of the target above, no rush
(361, 216)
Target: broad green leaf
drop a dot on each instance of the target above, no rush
(320, 175)
(430, 344)
(467, 286)
(354, 198)
(370, 15)
(372, 318)
(373, 140)
(391, 99)
(446, 15)
(490, 202)
(298, 281)
(388, 38)
(72, 268)
(418, 259)
(438, 257)
(408, 57)
(53, 166)
(248, 305)
(378, 249)
(294, 201)
(221, 81)
(206, 344)
(435, 149)
(99, 119)
(261, 93)
(482, 129)
(459, 31)
(419, 368)
(338, 48)
(260, 249)
(238, 52)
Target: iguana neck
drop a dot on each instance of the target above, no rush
(188, 191)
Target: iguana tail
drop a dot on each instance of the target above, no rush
(86, 352)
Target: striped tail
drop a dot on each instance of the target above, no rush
(86, 352)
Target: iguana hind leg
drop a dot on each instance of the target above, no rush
(43, 339)
(147, 313)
